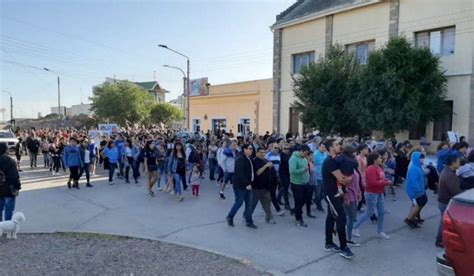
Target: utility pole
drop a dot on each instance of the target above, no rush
(59, 99)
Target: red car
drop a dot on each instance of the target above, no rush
(458, 237)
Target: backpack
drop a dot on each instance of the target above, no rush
(193, 156)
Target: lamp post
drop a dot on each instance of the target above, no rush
(59, 92)
(184, 81)
(188, 121)
(11, 106)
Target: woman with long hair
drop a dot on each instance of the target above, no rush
(177, 167)
(151, 165)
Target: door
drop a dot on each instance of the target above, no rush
(294, 121)
(244, 126)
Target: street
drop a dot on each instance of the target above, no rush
(126, 209)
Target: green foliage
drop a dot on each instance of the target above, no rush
(121, 102)
(165, 113)
(324, 93)
(402, 88)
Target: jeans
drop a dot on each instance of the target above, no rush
(442, 207)
(351, 212)
(7, 203)
(33, 158)
(299, 192)
(242, 196)
(178, 178)
(212, 168)
(46, 159)
(373, 201)
(318, 193)
(285, 185)
(135, 165)
(112, 167)
(340, 222)
(121, 167)
(86, 169)
(264, 197)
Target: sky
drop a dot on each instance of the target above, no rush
(85, 41)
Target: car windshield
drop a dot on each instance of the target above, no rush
(6, 135)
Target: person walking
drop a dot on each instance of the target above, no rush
(336, 214)
(374, 194)
(311, 185)
(73, 161)
(111, 155)
(177, 166)
(127, 159)
(212, 158)
(273, 156)
(86, 156)
(284, 173)
(319, 157)
(33, 146)
(228, 163)
(449, 186)
(151, 165)
(415, 189)
(299, 178)
(243, 179)
(261, 184)
(9, 184)
(351, 199)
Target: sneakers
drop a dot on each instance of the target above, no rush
(160, 189)
(230, 222)
(332, 247)
(253, 226)
(221, 195)
(346, 253)
(352, 243)
(281, 212)
(301, 223)
(89, 185)
(151, 193)
(382, 235)
(111, 183)
(355, 233)
(411, 223)
(311, 216)
(69, 184)
(271, 221)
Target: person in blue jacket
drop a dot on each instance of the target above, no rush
(73, 161)
(415, 189)
(112, 153)
(443, 151)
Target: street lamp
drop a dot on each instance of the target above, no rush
(11, 106)
(187, 82)
(184, 80)
(59, 92)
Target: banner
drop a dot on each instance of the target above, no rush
(108, 128)
(198, 87)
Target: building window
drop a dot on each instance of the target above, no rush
(416, 134)
(196, 125)
(440, 41)
(444, 124)
(302, 59)
(361, 50)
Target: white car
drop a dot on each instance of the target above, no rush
(9, 138)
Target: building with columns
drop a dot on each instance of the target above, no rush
(305, 31)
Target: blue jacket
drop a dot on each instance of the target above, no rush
(415, 181)
(119, 144)
(173, 164)
(442, 154)
(318, 159)
(112, 154)
(72, 156)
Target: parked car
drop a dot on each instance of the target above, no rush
(458, 237)
(9, 138)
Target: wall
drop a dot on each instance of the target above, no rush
(252, 100)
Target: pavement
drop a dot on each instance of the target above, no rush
(126, 210)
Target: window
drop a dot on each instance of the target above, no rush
(196, 125)
(440, 42)
(416, 134)
(300, 60)
(445, 124)
(361, 50)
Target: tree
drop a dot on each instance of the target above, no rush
(165, 113)
(121, 102)
(402, 88)
(324, 93)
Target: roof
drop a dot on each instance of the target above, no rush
(303, 8)
(147, 85)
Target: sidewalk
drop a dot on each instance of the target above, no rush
(126, 209)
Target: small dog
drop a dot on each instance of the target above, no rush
(11, 227)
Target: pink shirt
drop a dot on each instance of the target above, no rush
(353, 188)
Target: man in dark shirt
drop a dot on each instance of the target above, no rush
(284, 174)
(261, 184)
(336, 214)
(9, 183)
(449, 186)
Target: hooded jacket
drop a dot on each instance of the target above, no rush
(72, 156)
(228, 160)
(10, 180)
(299, 171)
(415, 181)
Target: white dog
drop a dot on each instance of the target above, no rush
(11, 227)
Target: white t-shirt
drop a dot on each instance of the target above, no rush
(87, 157)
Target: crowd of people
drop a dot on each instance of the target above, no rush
(290, 173)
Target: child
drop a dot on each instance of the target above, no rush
(196, 180)
(347, 164)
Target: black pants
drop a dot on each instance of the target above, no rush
(340, 222)
(299, 192)
(56, 163)
(74, 173)
(284, 186)
(86, 169)
(273, 188)
(309, 198)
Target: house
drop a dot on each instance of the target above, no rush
(242, 107)
(154, 89)
(305, 31)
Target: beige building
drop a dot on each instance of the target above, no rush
(240, 107)
(305, 31)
